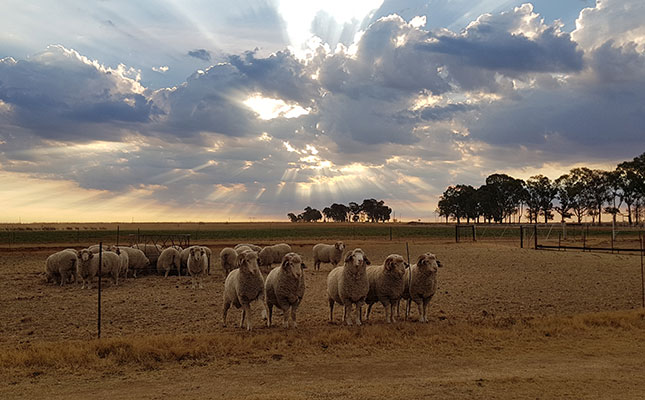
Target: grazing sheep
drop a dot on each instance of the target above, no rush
(137, 260)
(243, 248)
(209, 254)
(124, 262)
(328, 253)
(250, 246)
(242, 286)
(422, 286)
(348, 285)
(272, 255)
(169, 258)
(88, 266)
(228, 258)
(386, 285)
(62, 265)
(284, 288)
(197, 264)
(152, 251)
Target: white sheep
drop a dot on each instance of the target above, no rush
(228, 258)
(62, 265)
(328, 253)
(272, 255)
(88, 266)
(422, 285)
(244, 285)
(250, 246)
(170, 258)
(197, 264)
(124, 262)
(285, 287)
(184, 257)
(348, 285)
(386, 285)
(137, 260)
(152, 251)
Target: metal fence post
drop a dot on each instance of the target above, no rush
(535, 230)
(474, 235)
(99, 301)
(521, 237)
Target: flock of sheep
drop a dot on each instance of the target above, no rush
(352, 285)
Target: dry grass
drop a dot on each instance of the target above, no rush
(232, 347)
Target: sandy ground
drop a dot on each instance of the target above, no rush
(478, 282)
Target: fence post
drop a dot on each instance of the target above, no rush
(474, 235)
(559, 241)
(99, 305)
(535, 230)
(390, 233)
(521, 237)
(457, 233)
(117, 235)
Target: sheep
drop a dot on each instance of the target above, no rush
(242, 286)
(328, 253)
(197, 264)
(124, 262)
(240, 249)
(88, 266)
(137, 260)
(422, 285)
(272, 255)
(386, 285)
(95, 248)
(348, 285)
(250, 246)
(186, 252)
(169, 258)
(62, 265)
(228, 258)
(285, 287)
(152, 251)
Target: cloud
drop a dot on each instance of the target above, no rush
(161, 69)
(618, 21)
(201, 54)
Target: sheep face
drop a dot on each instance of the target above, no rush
(357, 259)
(395, 265)
(86, 255)
(197, 254)
(428, 261)
(248, 260)
(292, 264)
(340, 246)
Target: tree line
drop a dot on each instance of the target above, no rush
(369, 210)
(579, 193)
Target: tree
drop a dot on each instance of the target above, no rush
(629, 183)
(337, 212)
(354, 211)
(376, 210)
(613, 188)
(311, 215)
(541, 193)
(458, 202)
(507, 193)
(579, 196)
(597, 190)
(293, 217)
(566, 192)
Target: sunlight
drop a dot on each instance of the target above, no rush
(268, 108)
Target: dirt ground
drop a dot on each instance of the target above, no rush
(478, 282)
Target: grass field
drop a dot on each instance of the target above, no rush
(505, 323)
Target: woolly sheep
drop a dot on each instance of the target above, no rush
(285, 287)
(423, 284)
(61, 265)
(88, 266)
(124, 262)
(228, 258)
(348, 285)
(250, 246)
(240, 249)
(272, 255)
(197, 264)
(184, 257)
(152, 251)
(137, 260)
(328, 253)
(95, 248)
(242, 286)
(169, 259)
(386, 285)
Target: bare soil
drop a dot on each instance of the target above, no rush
(479, 283)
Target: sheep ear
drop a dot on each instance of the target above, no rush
(348, 257)
(367, 260)
(421, 260)
(285, 261)
(439, 263)
(91, 255)
(239, 260)
(303, 266)
(389, 263)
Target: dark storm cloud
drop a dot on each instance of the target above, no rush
(201, 54)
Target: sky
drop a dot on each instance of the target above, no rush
(197, 110)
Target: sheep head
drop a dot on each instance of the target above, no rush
(247, 261)
(357, 259)
(395, 265)
(197, 253)
(292, 264)
(86, 255)
(340, 246)
(428, 261)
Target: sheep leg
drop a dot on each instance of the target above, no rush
(246, 314)
(115, 276)
(167, 272)
(421, 313)
(407, 308)
(331, 310)
(270, 314)
(285, 314)
(359, 312)
(265, 311)
(294, 308)
(392, 306)
(347, 312)
(63, 278)
(398, 309)
(425, 309)
(369, 310)
(317, 265)
(227, 305)
(388, 311)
